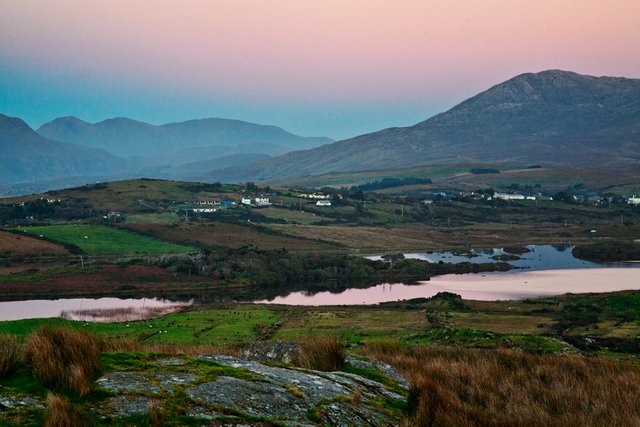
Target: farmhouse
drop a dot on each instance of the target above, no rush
(317, 196)
(208, 201)
(508, 196)
(262, 201)
(323, 203)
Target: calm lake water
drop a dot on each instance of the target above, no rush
(546, 270)
(93, 310)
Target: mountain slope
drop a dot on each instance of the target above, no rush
(126, 137)
(554, 117)
(29, 157)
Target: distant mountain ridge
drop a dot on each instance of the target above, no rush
(29, 157)
(67, 153)
(554, 117)
(126, 137)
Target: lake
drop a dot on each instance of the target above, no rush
(545, 270)
(90, 310)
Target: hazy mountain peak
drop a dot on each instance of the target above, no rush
(553, 116)
(29, 157)
(69, 119)
(14, 125)
(120, 121)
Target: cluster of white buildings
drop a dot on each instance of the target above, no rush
(257, 201)
(318, 196)
(512, 196)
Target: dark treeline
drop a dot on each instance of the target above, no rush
(389, 183)
(42, 209)
(608, 251)
(269, 268)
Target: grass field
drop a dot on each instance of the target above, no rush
(229, 235)
(421, 237)
(152, 218)
(102, 240)
(215, 327)
(459, 176)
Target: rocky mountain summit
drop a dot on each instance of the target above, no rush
(553, 117)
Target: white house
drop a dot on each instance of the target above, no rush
(245, 201)
(508, 196)
(262, 201)
(208, 201)
(323, 203)
(634, 200)
(316, 196)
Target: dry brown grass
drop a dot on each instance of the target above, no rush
(61, 412)
(10, 350)
(156, 414)
(464, 387)
(16, 245)
(323, 353)
(63, 358)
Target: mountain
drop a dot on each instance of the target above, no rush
(192, 171)
(125, 137)
(553, 117)
(29, 157)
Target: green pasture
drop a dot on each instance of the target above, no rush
(215, 327)
(103, 240)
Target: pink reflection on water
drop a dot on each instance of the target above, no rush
(486, 287)
(87, 309)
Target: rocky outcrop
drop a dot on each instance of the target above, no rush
(220, 387)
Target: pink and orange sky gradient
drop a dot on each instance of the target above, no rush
(334, 68)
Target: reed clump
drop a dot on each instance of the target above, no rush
(156, 414)
(321, 353)
(63, 358)
(457, 386)
(10, 355)
(60, 412)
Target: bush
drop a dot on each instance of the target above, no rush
(322, 354)
(483, 171)
(9, 355)
(63, 358)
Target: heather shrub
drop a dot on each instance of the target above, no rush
(63, 358)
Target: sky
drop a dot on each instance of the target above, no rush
(315, 67)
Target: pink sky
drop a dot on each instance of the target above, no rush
(424, 55)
